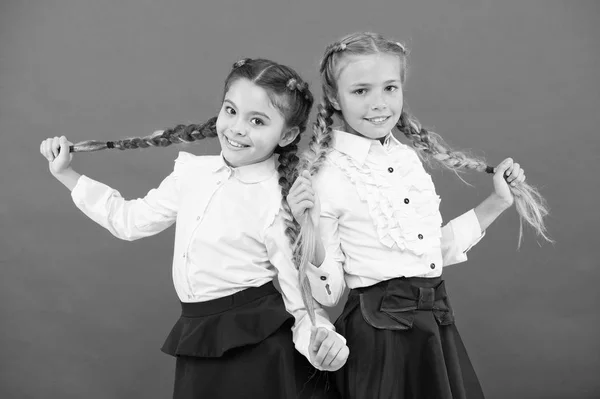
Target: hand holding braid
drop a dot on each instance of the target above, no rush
(288, 161)
(319, 146)
(530, 205)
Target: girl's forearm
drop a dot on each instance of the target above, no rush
(489, 210)
(68, 177)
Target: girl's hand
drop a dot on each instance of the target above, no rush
(302, 197)
(326, 349)
(56, 151)
(505, 174)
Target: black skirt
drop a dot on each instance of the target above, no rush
(240, 346)
(404, 344)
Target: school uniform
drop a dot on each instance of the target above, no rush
(237, 336)
(382, 230)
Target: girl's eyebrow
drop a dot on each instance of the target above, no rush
(253, 112)
(387, 82)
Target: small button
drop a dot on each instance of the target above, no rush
(198, 218)
(432, 266)
(406, 200)
(219, 182)
(420, 236)
(390, 169)
(184, 254)
(323, 278)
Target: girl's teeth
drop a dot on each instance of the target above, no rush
(235, 144)
(377, 120)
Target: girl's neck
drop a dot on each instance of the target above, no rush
(249, 164)
(348, 129)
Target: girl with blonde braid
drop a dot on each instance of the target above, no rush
(371, 222)
(234, 232)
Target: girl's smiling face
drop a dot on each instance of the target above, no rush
(369, 93)
(249, 127)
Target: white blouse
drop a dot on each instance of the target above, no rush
(380, 218)
(229, 234)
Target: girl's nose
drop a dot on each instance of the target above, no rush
(238, 128)
(379, 106)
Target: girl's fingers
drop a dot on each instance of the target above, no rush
(55, 146)
(298, 184)
(48, 150)
(331, 357)
(519, 179)
(301, 190)
(64, 148)
(324, 349)
(306, 204)
(306, 187)
(503, 167)
(514, 172)
(341, 358)
(304, 196)
(296, 198)
(317, 337)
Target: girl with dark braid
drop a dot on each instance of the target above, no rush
(234, 232)
(371, 222)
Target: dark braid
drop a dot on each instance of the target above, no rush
(178, 134)
(289, 94)
(292, 97)
(288, 161)
(288, 172)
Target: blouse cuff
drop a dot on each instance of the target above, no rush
(467, 231)
(320, 284)
(87, 188)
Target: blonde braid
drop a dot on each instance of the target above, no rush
(319, 146)
(178, 134)
(287, 169)
(320, 143)
(530, 204)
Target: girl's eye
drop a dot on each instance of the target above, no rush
(359, 92)
(257, 121)
(391, 88)
(230, 110)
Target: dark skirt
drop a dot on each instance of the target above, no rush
(404, 344)
(240, 346)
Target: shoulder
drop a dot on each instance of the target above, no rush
(185, 158)
(269, 206)
(331, 180)
(186, 163)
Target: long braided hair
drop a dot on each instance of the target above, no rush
(430, 147)
(288, 92)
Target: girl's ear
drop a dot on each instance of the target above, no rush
(289, 135)
(334, 102)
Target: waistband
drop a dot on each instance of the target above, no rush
(219, 305)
